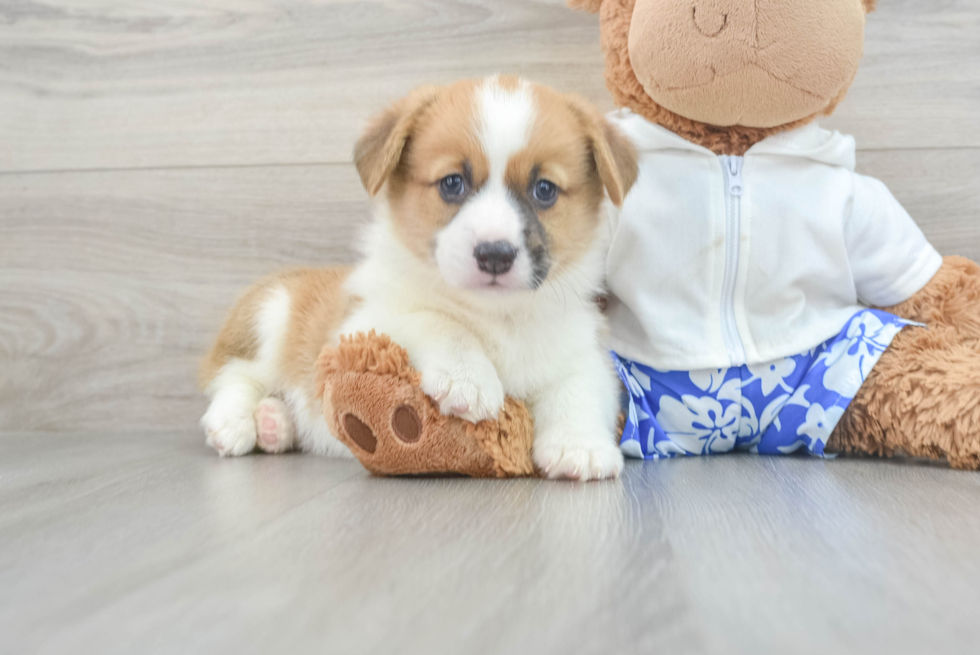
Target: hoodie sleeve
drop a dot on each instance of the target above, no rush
(890, 258)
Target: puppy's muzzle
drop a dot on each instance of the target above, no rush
(495, 257)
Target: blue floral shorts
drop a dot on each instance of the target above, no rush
(774, 408)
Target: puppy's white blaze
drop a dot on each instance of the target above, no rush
(503, 123)
(506, 119)
(490, 216)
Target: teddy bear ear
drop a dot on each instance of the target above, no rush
(593, 5)
(869, 5)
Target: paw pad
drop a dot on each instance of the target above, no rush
(406, 424)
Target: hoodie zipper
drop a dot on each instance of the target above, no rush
(733, 238)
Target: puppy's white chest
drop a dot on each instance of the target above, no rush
(530, 359)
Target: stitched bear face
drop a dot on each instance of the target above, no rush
(756, 63)
(727, 73)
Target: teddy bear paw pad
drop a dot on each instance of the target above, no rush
(360, 433)
(406, 425)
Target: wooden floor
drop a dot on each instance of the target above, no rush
(140, 544)
(156, 156)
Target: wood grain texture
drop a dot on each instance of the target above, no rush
(108, 84)
(114, 283)
(132, 543)
(156, 157)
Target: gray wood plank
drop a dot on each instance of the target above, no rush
(939, 190)
(112, 284)
(127, 543)
(911, 90)
(120, 532)
(222, 82)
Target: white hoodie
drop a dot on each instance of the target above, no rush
(717, 262)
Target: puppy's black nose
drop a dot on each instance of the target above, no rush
(495, 258)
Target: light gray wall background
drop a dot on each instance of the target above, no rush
(155, 157)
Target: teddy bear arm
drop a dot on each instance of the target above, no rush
(923, 397)
(950, 299)
(374, 404)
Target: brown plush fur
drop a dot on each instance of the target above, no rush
(372, 398)
(627, 91)
(923, 396)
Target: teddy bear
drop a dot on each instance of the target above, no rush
(763, 296)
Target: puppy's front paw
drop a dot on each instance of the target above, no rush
(468, 388)
(577, 458)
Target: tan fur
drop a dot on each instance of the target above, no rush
(237, 338)
(379, 150)
(586, 5)
(318, 306)
(923, 396)
(615, 158)
(411, 146)
(365, 382)
(435, 136)
(573, 146)
(441, 141)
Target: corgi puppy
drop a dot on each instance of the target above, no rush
(484, 262)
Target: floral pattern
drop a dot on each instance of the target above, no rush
(773, 408)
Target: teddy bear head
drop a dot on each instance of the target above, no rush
(727, 73)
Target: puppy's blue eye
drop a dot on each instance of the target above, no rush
(545, 192)
(452, 188)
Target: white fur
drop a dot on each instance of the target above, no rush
(490, 216)
(505, 120)
(237, 389)
(503, 124)
(312, 433)
(472, 346)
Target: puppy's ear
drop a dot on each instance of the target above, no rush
(617, 162)
(378, 151)
(870, 5)
(593, 5)
(615, 157)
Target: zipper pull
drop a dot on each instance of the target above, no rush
(735, 176)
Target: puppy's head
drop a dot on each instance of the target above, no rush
(495, 182)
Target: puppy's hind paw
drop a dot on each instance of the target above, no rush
(274, 426)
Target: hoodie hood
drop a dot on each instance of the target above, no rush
(807, 142)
